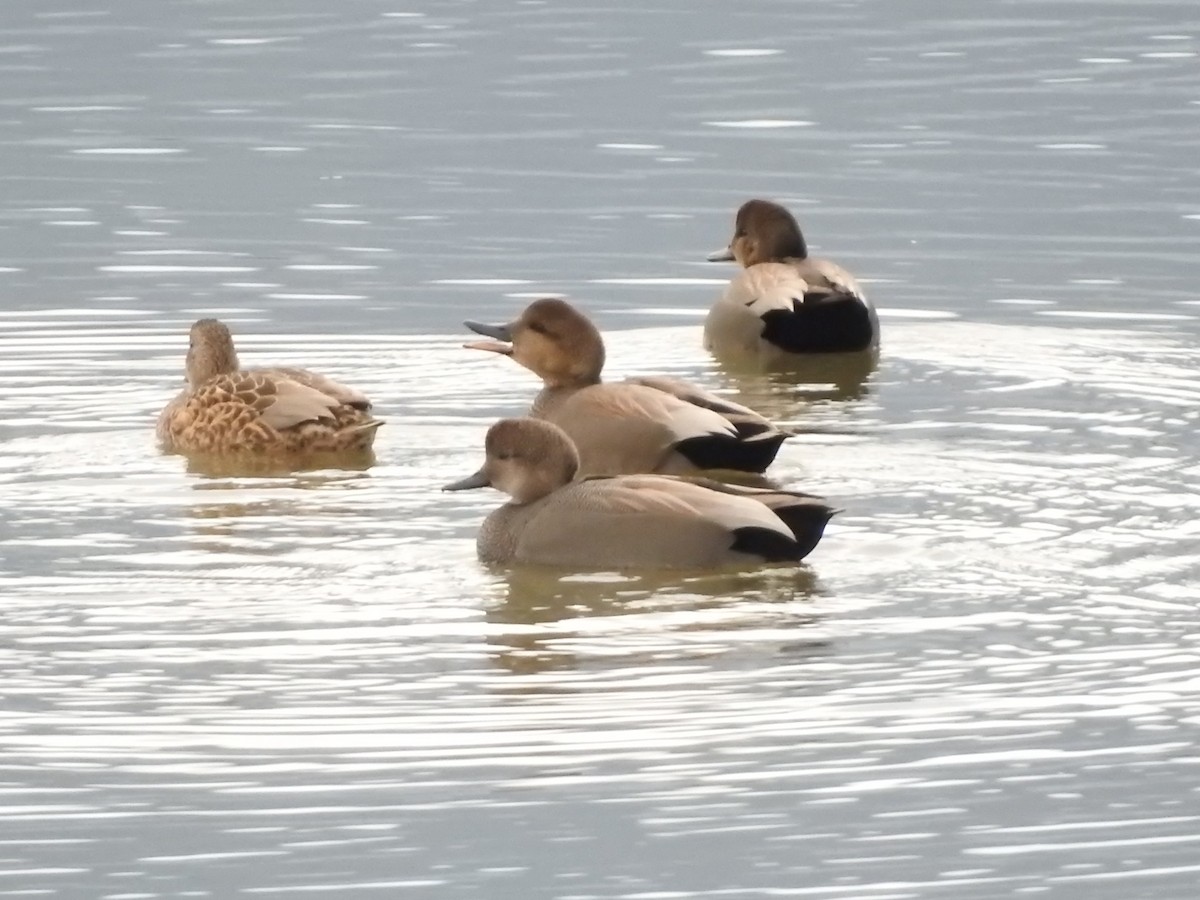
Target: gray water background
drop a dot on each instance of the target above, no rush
(983, 683)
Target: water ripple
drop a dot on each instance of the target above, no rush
(983, 683)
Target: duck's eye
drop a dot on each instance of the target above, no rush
(539, 328)
(503, 454)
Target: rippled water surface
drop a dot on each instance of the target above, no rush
(984, 681)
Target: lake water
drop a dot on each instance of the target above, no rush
(985, 682)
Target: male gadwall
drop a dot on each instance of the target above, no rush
(628, 521)
(785, 301)
(650, 424)
(266, 412)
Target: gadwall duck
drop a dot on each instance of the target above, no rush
(785, 301)
(650, 424)
(628, 521)
(276, 411)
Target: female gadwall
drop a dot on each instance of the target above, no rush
(265, 412)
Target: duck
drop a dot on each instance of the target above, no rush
(785, 302)
(628, 521)
(651, 424)
(280, 411)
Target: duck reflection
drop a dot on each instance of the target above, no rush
(541, 604)
(258, 466)
(804, 379)
(272, 525)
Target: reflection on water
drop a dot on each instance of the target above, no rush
(325, 481)
(273, 515)
(802, 379)
(547, 613)
(233, 465)
(534, 595)
(227, 683)
(996, 637)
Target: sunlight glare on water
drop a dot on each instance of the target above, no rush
(283, 644)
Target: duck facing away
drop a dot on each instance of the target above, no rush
(266, 412)
(650, 424)
(628, 521)
(785, 301)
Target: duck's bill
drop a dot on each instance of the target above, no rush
(502, 335)
(491, 346)
(499, 332)
(470, 483)
(725, 254)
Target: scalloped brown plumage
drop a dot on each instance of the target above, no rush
(260, 412)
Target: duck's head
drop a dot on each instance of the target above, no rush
(763, 232)
(552, 339)
(526, 459)
(210, 351)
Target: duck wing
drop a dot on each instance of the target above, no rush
(343, 393)
(636, 521)
(804, 514)
(747, 422)
(623, 428)
(822, 321)
(801, 306)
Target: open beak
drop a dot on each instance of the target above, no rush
(501, 344)
(724, 255)
(478, 480)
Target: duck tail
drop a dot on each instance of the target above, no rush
(765, 543)
(806, 518)
(839, 323)
(724, 451)
(360, 435)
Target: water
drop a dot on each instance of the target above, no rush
(984, 682)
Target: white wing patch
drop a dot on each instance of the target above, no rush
(835, 277)
(765, 287)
